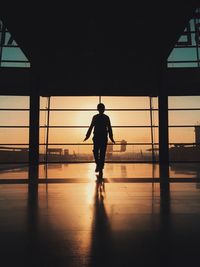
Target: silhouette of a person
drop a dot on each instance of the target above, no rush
(102, 128)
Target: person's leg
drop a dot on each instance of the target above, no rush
(102, 154)
(96, 148)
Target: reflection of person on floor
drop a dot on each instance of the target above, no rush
(102, 128)
(100, 191)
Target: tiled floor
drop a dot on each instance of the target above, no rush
(97, 224)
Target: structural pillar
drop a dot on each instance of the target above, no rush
(163, 136)
(34, 137)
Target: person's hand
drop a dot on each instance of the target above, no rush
(113, 141)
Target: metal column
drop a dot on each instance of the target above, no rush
(163, 136)
(34, 137)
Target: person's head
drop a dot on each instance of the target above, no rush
(101, 108)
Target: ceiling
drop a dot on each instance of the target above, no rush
(98, 49)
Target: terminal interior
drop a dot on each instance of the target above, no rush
(57, 63)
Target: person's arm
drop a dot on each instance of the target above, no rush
(89, 130)
(110, 132)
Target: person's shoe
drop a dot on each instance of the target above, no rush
(97, 169)
(101, 174)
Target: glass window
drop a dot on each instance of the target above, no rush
(184, 117)
(184, 102)
(14, 135)
(186, 47)
(84, 118)
(182, 65)
(183, 54)
(10, 51)
(13, 53)
(14, 102)
(16, 64)
(62, 102)
(15, 154)
(76, 135)
(124, 102)
(184, 136)
(66, 126)
(14, 118)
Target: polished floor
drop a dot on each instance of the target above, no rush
(85, 171)
(100, 224)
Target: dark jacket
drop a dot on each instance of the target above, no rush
(102, 127)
